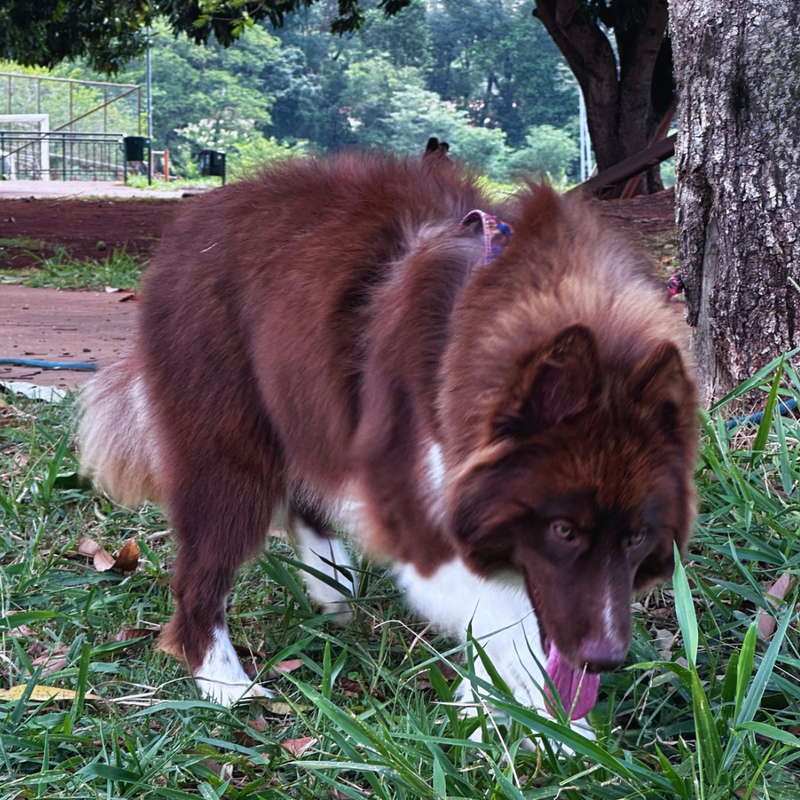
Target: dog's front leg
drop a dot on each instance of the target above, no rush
(318, 547)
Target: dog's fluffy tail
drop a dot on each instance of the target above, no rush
(117, 439)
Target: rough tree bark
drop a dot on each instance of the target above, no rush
(737, 64)
(624, 105)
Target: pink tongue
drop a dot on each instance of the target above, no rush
(568, 682)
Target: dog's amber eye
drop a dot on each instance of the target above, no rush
(638, 537)
(563, 529)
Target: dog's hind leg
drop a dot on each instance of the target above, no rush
(319, 548)
(220, 511)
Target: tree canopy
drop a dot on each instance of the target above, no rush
(617, 50)
(504, 107)
(108, 33)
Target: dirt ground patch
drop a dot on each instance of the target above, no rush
(643, 217)
(93, 326)
(36, 226)
(53, 325)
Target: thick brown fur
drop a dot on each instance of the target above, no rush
(311, 332)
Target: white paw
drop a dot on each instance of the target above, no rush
(220, 677)
(341, 611)
(227, 693)
(330, 558)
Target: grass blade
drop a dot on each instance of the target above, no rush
(708, 742)
(684, 608)
(754, 382)
(769, 411)
(753, 699)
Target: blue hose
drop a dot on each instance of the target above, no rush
(90, 366)
(78, 366)
(754, 419)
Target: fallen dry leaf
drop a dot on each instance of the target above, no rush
(51, 661)
(353, 688)
(258, 724)
(224, 770)
(53, 666)
(134, 633)
(350, 687)
(664, 640)
(243, 651)
(284, 667)
(299, 746)
(449, 672)
(281, 709)
(21, 630)
(101, 558)
(773, 594)
(126, 561)
(41, 692)
(128, 558)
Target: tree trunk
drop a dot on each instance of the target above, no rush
(624, 106)
(737, 165)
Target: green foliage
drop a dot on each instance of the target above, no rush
(418, 113)
(109, 33)
(371, 95)
(258, 151)
(46, 32)
(481, 75)
(207, 95)
(477, 74)
(548, 150)
(498, 62)
(28, 95)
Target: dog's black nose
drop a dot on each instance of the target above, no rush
(603, 655)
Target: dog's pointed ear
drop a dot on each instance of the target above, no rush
(559, 381)
(660, 379)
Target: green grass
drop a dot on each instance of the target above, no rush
(22, 243)
(117, 269)
(705, 709)
(140, 182)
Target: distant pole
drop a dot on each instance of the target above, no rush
(149, 73)
(585, 140)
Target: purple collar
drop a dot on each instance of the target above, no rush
(496, 233)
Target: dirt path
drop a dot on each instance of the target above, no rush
(35, 227)
(93, 326)
(51, 325)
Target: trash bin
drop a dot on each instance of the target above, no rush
(134, 147)
(212, 162)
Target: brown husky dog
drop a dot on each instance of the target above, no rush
(508, 418)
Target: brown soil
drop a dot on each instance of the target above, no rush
(87, 326)
(52, 325)
(86, 228)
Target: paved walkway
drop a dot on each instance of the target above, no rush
(20, 189)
